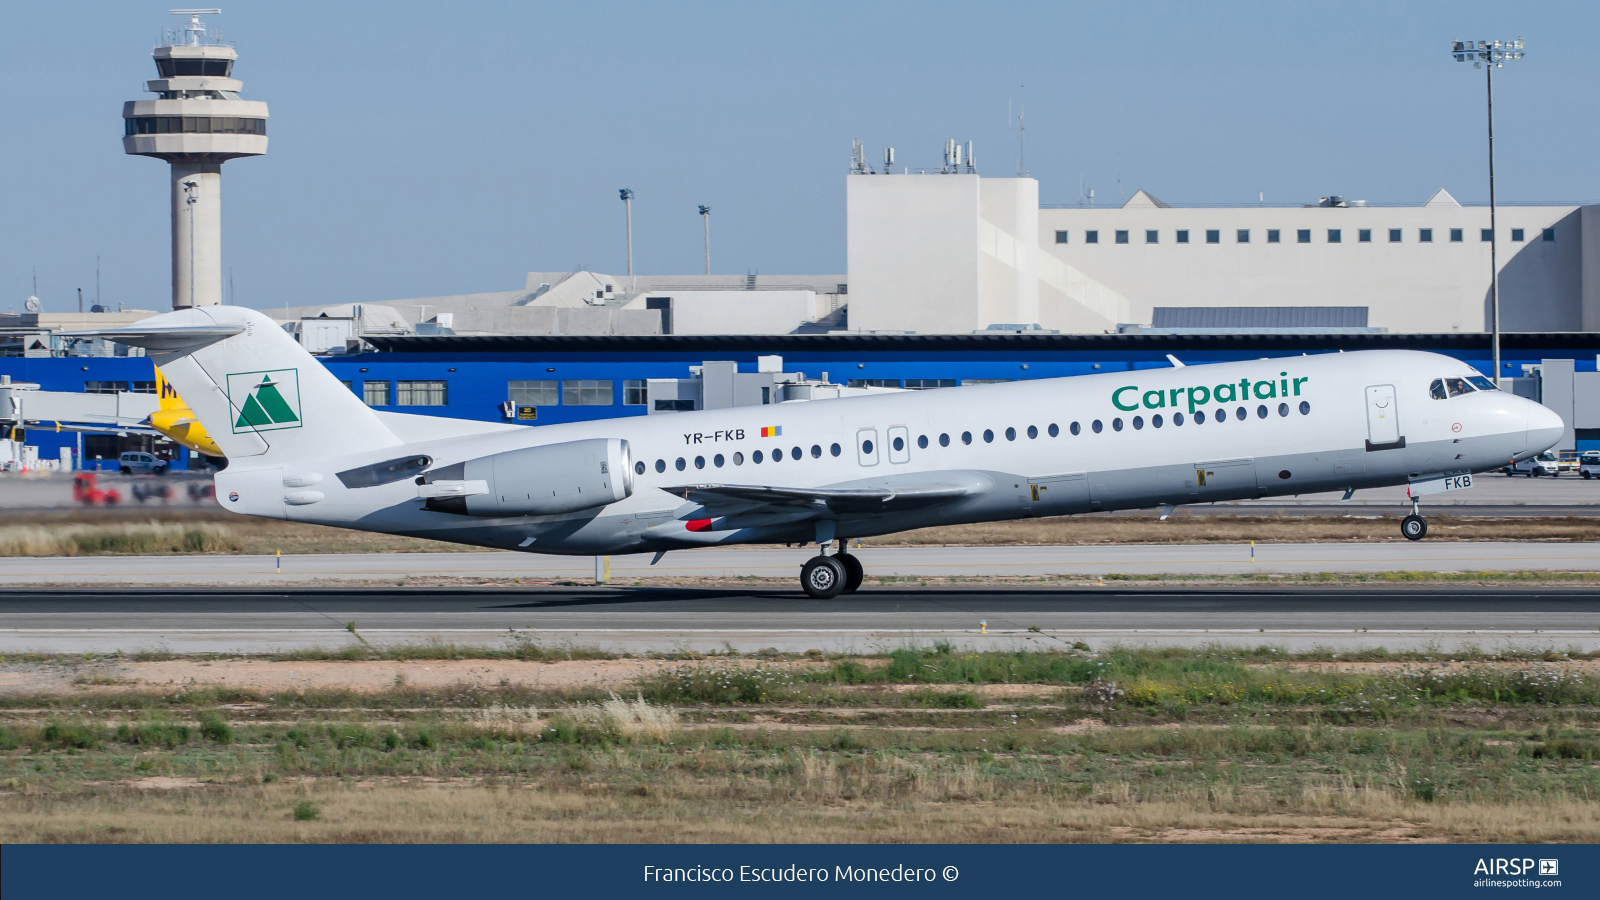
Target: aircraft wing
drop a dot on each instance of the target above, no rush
(725, 499)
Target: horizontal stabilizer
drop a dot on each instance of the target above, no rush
(176, 338)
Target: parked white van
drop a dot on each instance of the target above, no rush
(135, 462)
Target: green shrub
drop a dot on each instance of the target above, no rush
(306, 811)
(215, 728)
(154, 731)
(347, 736)
(70, 734)
(848, 671)
(560, 731)
(948, 699)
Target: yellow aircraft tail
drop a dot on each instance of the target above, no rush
(176, 421)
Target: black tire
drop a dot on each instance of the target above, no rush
(1585, 475)
(125, 470)
(161, 470)
(1414, 527)
(822, 577)
(853, 572)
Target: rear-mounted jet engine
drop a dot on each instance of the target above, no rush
(534, 481)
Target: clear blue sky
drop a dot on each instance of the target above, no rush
(425, 148)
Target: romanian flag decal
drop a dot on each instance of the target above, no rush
(772, 431)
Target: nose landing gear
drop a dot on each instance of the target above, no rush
(825, 577)
(1414, 526)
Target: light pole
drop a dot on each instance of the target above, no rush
(1495, 54)
(705, 213)
(191, 192)
(627, 200)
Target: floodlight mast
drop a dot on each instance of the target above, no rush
(627, 201)
(1496, 54)
(705, 213)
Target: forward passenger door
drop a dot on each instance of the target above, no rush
(1383, 419)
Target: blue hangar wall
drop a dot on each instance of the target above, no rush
(470, 375)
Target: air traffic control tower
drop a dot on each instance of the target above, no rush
(197, 122)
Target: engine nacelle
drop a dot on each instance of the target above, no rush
(533, 481)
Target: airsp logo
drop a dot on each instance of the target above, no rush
(265, 401)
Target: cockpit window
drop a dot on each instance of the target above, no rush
(1436, 390)
(1457, 386)
(1482, 383)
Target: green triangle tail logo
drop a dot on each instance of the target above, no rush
(269, 402)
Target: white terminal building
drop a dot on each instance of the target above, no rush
(949, 251)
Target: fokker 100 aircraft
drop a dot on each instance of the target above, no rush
(302, 446)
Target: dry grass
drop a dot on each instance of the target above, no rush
(627, 718)
(149, 537)
(79, 533)
(953, 809)
(1207, 745)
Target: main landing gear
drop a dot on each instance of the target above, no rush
(825, 577)
(1414, 526)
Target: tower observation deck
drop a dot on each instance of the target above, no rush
(196, 123)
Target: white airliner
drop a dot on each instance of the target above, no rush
(302, 446)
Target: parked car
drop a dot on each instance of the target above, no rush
(1589, 464)
(152, 490)
(1543, 464)
(135, 462)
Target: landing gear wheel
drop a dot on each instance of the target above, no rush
(1414, 527)
(853, 572)
(822, 577)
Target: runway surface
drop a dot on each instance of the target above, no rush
(643, 619)
(720, 562)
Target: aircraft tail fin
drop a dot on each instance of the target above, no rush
(261, 397)
(168, 394)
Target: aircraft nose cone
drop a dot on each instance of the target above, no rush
(1545, 427)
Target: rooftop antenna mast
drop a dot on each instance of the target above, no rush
(858, 159)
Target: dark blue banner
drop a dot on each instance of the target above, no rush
(1122, 870)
